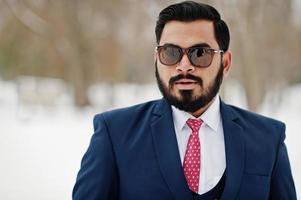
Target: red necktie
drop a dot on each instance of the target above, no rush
(192, 156)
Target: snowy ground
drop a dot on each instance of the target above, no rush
(42, 140)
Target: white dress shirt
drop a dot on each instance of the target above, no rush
(211, 135)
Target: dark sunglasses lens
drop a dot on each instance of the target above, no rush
(169, 55)
(200, 57)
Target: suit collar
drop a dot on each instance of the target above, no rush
(235, 151)
(166, 149)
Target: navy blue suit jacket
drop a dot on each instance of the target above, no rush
(133, 155)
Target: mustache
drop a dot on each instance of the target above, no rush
(188, 76)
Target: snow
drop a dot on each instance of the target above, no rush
(42, 142)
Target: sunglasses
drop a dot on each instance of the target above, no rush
(198, 56)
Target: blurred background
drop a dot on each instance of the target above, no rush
(63, 61)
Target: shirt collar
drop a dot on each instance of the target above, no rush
(210, 117)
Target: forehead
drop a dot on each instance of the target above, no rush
(187, 34)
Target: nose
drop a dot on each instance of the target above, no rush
(184, 66)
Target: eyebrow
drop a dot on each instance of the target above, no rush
(203, 44)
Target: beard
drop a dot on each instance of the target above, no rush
(189, 102)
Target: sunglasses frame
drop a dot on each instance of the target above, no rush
(188, 51)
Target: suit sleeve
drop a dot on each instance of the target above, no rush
(282, 184)
(97, 177)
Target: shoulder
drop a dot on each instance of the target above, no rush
(128, 113)
(260, 133)
(255, 121)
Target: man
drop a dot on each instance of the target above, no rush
(190, 144)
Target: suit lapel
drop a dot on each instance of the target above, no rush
(166, 148)
(235, 152)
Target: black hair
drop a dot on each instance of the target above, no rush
(188, 11)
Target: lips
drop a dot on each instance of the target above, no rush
(186, 84)
(185, 81)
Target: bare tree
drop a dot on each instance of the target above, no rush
(84, 42)
(262, 33)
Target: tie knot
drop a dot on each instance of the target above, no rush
(194, 124)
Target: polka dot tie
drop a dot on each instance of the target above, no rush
(192, 156)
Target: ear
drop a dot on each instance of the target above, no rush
(227, 61)
(155, 56)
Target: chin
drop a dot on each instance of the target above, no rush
(194, 93)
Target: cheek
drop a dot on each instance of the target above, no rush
(165, 74)
(208, 76)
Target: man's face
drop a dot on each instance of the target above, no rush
(185, 86)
